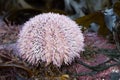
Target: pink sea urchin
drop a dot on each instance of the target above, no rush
(51, 38)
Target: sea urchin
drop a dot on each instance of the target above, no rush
(51, 38)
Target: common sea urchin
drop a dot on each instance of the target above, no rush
(51, 38)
